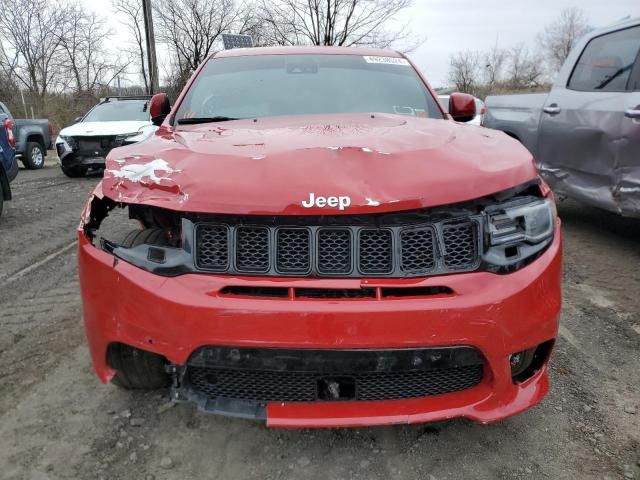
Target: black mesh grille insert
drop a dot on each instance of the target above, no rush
(252, 249)
(418, 250)
(335, 293)
(293, 250)
(213, 247)
(412, 384)
(334, 251)
(292, 386)
(254, 384)
(461, 245)
(376, 249)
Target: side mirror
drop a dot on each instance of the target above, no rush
(462, 107)
(77, 119)
(159, 108)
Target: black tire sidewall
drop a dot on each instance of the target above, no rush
(73, 172)
(28, 160)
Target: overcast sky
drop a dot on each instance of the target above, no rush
(454, 25)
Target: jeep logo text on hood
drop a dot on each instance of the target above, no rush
(341, 202)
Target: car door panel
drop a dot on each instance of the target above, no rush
(588, 147)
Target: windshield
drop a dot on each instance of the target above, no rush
(132, 110)
(271, 85)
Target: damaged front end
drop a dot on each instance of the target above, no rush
(220, 305)
(500, 233)
(82, 152)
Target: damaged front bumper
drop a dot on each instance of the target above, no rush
(92, 151)
(194, 322)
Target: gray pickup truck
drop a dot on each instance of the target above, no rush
(585, 133)
(33, 139)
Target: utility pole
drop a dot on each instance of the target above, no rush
(151, 46)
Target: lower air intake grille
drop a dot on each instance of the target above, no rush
(302, 376)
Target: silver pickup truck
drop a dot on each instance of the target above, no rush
(585, 133)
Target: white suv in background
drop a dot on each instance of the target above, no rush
(114, 122)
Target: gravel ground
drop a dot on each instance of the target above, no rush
(58, 421)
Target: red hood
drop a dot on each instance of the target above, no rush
(382, 163)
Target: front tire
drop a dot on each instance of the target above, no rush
(74, 172)
(34, 156)
(1, 199)
(137, 369)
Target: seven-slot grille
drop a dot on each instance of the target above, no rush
(339, 251)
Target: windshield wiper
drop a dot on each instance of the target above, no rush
(194, 120)
(617, 73)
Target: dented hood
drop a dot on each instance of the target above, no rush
(270, 166)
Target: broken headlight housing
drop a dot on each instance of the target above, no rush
(134, 137)
(518, 231)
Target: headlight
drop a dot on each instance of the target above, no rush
(70, 141)
(135, 137)
(518, 231)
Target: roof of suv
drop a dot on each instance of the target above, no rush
(306, 50)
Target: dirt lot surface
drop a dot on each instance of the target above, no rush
(58, 421)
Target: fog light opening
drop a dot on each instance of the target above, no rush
(526, 363)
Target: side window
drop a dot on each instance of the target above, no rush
(607, 61)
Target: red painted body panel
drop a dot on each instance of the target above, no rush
(498, 314)
(386, 163)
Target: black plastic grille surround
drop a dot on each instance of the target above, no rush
(302, 376)
(395, 250)
(92, 146)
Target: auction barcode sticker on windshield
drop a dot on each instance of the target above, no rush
(387, 60)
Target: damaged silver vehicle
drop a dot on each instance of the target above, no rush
(585, 133)
(114, 122)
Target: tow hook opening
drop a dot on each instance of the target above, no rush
(336, 388)
(526, 363)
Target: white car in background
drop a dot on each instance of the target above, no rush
(480, 109)
(114, 122)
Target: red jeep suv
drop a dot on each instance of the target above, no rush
(318, 243)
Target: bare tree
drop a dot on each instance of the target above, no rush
(525, 70)
(83, 39)
(335, 22)
(559, 37)
(31, 46)
(494, 64)
(131, 17)
(464, 71)
(191, 28)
